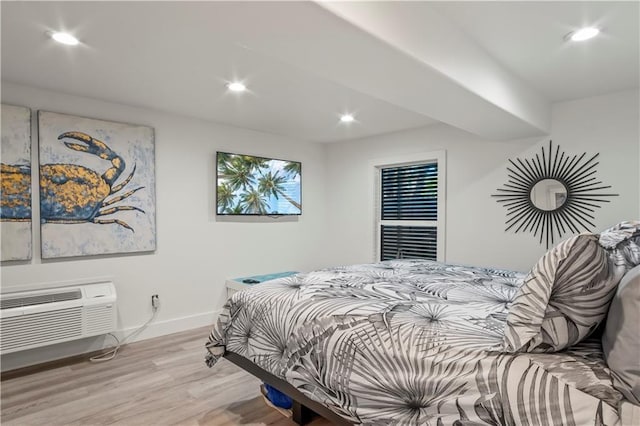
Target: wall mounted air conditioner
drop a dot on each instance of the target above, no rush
(31, 319)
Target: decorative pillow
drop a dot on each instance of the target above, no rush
(563, 299)
(622, 243)
(621, 339)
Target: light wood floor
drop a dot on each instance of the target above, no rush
(161, 381)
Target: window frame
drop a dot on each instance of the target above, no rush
(438, 157)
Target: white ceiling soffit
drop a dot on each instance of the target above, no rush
(527, 37)
(456, 81)
(450, 58)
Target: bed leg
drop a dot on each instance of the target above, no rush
(301, 414)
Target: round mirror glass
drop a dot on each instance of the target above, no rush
(548, 194)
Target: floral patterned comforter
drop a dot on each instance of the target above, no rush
(410, 342)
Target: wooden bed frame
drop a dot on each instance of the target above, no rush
(303, 407)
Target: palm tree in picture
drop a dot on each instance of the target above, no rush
(253, 202)
(224, 165)
(223, 157)
(225, 196)
(293, 168)
(271, 184)
(252, 163)
(237, 209)
(236, 172)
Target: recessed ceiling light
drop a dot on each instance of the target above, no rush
(346, 118)
(64, 38)
(583, 34)
(236, 86)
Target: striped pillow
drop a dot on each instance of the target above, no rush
(565, 296)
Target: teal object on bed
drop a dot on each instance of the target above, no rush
(267, 277)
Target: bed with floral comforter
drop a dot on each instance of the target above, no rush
(410, 342)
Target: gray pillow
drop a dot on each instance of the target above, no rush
(563, 299)
(621, 339)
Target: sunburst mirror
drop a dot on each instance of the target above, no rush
(552, 194)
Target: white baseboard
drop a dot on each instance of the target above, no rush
(174, 325)
(30, 357)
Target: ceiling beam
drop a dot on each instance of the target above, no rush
(409, 55)
(419, 31)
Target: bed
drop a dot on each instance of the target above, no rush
(421, 342)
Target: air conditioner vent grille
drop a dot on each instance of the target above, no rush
(98, 319)
(39, 299)
(39, 329)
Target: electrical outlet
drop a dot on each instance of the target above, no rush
(155, 301)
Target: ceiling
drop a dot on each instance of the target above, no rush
(526, 37)
(491, 68)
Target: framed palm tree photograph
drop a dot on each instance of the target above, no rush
(258, 186)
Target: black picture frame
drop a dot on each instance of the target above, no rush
(241, 214)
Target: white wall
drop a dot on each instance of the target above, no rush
(475, 169)
(195, 251)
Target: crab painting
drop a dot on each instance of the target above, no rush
(70, 193)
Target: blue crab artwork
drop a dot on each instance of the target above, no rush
(69, 193)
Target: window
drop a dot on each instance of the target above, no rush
(410, 219)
